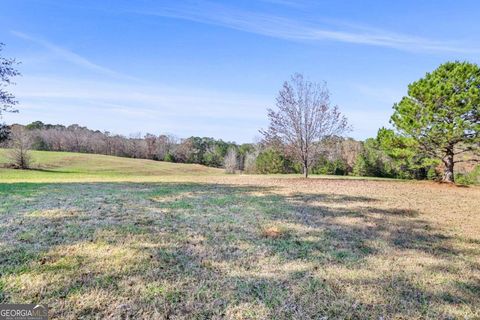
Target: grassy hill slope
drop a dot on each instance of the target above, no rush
(67, 166)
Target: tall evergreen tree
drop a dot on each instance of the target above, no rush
(441, 113)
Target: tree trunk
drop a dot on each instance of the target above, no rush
(448, 171)
(305, 170)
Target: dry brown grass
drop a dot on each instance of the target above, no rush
(243, 247)
(272, 232)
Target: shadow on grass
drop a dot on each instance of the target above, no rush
(50, 170)
(193, 236)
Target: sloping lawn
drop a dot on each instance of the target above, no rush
(70, 167)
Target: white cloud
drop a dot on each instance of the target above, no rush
(284, 28)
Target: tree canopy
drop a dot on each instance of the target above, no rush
(441, 114)
(7, 99)
(7, 72)
(304, 116)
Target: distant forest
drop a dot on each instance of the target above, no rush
(339, 156)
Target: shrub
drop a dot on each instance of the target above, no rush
(433, 174)
(325, 166)
(212, 159)
(360, 166)
(470, 178)
(169, 157)
(271, 161)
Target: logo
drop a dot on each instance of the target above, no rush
(23, 312)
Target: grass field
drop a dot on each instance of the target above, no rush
(105, 237)
(68, 167)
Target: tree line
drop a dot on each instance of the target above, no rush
(336, 155)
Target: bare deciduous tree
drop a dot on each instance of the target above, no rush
(304, 116)
(338, 148)
(231, 161)
(165, 145)
(250, 162)
(151, 145)
(183, 152)
(20, 144)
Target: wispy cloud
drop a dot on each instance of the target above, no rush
(290, 29)
(68, 55)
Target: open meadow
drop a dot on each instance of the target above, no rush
(104, 237)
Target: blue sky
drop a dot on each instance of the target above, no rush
(211, 68)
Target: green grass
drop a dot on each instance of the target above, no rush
(65, 166)
(99, 237)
